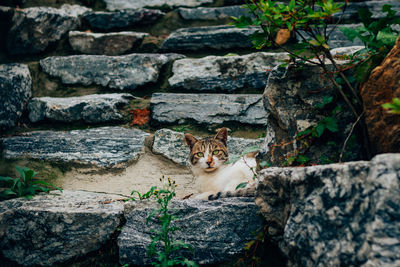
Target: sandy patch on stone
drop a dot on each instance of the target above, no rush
(140, 176)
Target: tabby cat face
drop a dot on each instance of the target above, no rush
(208, 153)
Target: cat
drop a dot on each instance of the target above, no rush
(215, 178)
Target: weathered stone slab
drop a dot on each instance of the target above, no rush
(172, 145)
(337, 214)
(89, 108)
(119, 72)
(57, 227)
(131, 4)
(346, 51)
(105, 146)
(120, 19)
(110, 44)
(211, 37)
(226, 73)
(217, 230)
(212, 13)
(207, 108)
(15, 91)
(34, 29)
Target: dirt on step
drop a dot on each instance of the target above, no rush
(140, 176)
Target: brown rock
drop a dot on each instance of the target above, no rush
(382, 86)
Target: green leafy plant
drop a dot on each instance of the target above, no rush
(24, 186)
(163, 248)
(378, 36)
(393, 107)
(181, 128)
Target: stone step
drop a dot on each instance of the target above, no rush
(104, 147)
(120, 19)
(110, 44)
(15, 91)
(212, 13)
(210, 227)
(90, 108)
(224, 73)
(119, 72)
(134, 4)
(171, 144)
(209, 37)
(34, 29)
(168, 108)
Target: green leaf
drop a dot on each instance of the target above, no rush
(365, 16)
(47, 184)
(331, 124)
(241, 185)
(302, 159)
(6, 179)
(265, 164)
(387, 38)
(8, 192)
(319, 129)
(21, 172)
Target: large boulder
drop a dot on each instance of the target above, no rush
(103, 147)
(211, 37)
(118, 72)
(132, 4)
(217, 230)
(110, 44)
(57, 227)
(90, 108)
(339, 214)
(172, 145)
(227, 73)
(206, 109)
(34, 29)
(120, 19)
(15, 91)
(381, 87)
(294, 99)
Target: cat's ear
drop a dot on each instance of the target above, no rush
(190, 140)
(222, 135)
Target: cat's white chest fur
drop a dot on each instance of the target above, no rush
(226, 178)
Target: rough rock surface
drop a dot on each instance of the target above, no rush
(172, 145)
(89, 108)
(212, 13)
(57, 227)
(132, 4)
(15, 91)
(217, 230)
(211, 37)
(34, 29)
(120, 72)
(291, 98)
(105, 146)
(381, 87)
(224, 73)
(207, 108)
(110, 44)
(120, 19)
(337, 215)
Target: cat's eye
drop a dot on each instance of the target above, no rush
(199, 154)
(215, 152)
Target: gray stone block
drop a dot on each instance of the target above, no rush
(211, 37)
(34, 29)
(110, 44)
(213, 13)
(207, 108)
(120, 19)
(15, 91)
(57, 227)
(226, 73)
(119, 72)
(89, 108)
(132, 4)
(217, 230)
(104, 147)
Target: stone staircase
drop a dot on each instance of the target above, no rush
(73, 73)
